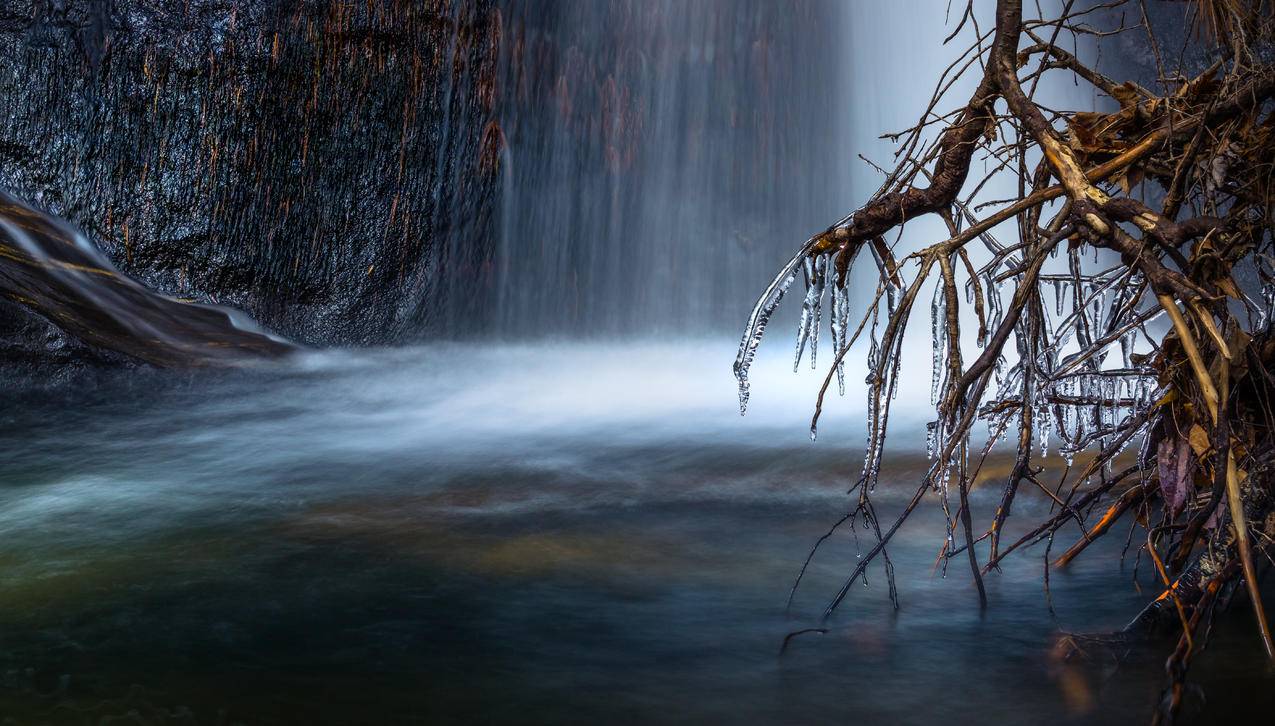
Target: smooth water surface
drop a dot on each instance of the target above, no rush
(575, 533)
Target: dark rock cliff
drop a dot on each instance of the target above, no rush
(312, 163)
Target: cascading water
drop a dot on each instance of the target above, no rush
(661, 155)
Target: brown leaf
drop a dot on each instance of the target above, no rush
(1202, 88)
(1123, 180)
(1176, 485)
(1088, 119)
(1227, 285)
(1129, 178)
(1199, 440)
(1082, 139)
(1238, 341)
(1127, 94)
(1134, 176)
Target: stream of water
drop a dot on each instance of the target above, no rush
(522, 534)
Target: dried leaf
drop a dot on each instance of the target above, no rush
(1134, 176)
(1176, 485)
(1199, 440)
(1206, 86)
(1129, 178)
(1082, 136)
(1126, 93)
(1238, 341)
(1227, 285)
(1088, 119)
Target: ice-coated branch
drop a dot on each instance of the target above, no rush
(1077, 358)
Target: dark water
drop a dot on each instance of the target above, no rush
(579, 534)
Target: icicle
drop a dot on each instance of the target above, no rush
(1099, 306)
(841, 328)
(821, 277)
(1107, 407)
(879, 394)
(807, 312)
(938, 336)
(1068, 425)
(816, 274)
(1043, 418)
(947, 476)
(835, 328)
(763, 309)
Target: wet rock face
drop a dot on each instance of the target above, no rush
(317, 164)
(373, 171)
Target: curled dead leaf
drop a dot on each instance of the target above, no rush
(1174, 465)
(1199, 440)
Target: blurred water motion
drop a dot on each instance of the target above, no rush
(661, 156)
(396, 537)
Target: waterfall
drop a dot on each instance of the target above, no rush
(491, 168)
(661, 157)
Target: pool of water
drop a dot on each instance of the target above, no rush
(514, 534)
